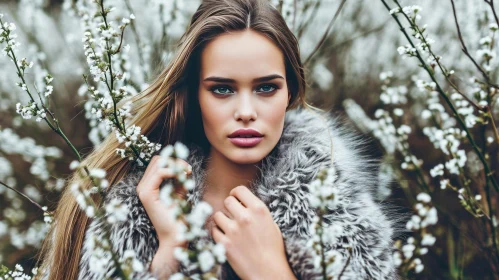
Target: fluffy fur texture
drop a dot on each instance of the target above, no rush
(283, 184)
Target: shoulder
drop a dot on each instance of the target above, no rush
(125, 192)
(135, 233)
(365, 226)
(329, 137)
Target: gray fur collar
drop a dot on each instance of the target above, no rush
(283, 185)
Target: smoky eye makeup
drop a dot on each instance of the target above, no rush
(224, 90)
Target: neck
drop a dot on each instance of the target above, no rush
(222, 175)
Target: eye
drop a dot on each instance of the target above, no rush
(223, 90)
(268, 88)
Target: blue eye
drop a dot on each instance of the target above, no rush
(273, 88)
(220, 93)
(224, 90)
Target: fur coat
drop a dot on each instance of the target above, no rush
(366, 242)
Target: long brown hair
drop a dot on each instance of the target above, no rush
(165, 110)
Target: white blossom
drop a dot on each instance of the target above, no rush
(116, 211)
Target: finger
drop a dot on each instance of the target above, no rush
(154, 161)
(222, 221)
(218, 235)
(153, 181)
(150, 166)
(189, 168)
(245, 196)
(186, 165)
(235, 208)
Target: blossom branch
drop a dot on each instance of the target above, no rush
(420, 35)
(484, 74)
(466, 52)
(489, 173)
(20, 66)
(491, 4)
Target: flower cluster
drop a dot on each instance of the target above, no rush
(103, 44)
(48, 87)
(7, 37)
(99, 185)
(409, 254)
(16, 274)
(207, 256)
(133, 139)
(102, 258)
(486, 54)
(388, 127)
(324, 197)
(37, 155)
(32, 109)
(114, 211)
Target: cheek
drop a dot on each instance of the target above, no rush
(274, 116)
(206, 105)
(212, 116)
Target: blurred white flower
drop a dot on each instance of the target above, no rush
(116, 211)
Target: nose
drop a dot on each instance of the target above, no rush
(245, 110)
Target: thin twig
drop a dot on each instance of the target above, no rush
(306, 22)
(346, 264)
(361, 35)
(465, 49)
(326, 33)
(491, 4)
(437, 60)
(23, 195)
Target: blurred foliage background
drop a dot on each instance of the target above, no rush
(356, 71)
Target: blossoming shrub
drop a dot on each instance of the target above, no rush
(428, 95)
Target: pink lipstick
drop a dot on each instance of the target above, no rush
(245, 137)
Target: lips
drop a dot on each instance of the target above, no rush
(245, 137)
(245, 133)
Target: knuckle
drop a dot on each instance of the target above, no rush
(232, 229)
(260, 208)
(227, 243)
(218, 213)
(239, 190)
(245, 219)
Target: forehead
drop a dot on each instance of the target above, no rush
(241, 55)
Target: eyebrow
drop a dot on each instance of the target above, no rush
(227, 80)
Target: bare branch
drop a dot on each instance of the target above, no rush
(324, 36)
(23, 195)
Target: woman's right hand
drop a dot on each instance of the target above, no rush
(148, 193)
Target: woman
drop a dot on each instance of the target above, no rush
(237, 74)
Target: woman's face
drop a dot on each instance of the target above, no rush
(242, 86)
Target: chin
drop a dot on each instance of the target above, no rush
(247, 155)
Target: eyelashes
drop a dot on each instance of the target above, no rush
(224, 90)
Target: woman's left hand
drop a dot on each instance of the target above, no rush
(253, 241)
